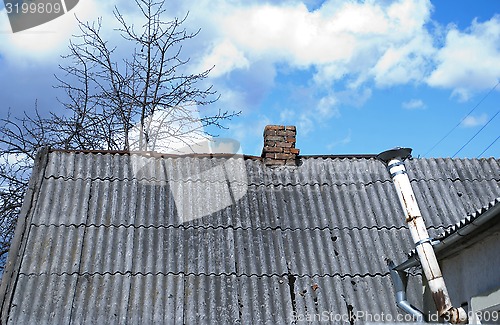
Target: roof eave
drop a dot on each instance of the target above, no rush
(461, 237)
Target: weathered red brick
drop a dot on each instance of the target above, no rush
(274, 162)
(279, 145)
(275, 138)
(293, 151)
(271, 132)
(284, 144)
(274, 127)
(284, 156)
(273, 149)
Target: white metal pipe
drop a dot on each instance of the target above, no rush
(420, 236)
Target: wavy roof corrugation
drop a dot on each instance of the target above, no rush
(127, 238)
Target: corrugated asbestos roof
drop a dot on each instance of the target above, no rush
(117, 238)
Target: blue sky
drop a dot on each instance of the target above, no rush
(353, 76)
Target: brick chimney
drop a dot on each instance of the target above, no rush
(279, 145)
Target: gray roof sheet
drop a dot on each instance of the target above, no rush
(117, 238)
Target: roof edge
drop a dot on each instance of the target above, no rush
(155, 154)
(481, 220)
(12, 266)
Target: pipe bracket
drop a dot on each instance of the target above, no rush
(399, 172)
(397, 163)
(423, 241)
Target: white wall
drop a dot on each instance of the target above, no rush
(473, 271)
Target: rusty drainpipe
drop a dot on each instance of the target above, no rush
(394, 159)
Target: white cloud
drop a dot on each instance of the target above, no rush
(13, 159)
(469, 61)
(246, 133)
(327, 107)
(305, 124)
(45, 42)
(330, 72)
(175, 130)
(345, 44)
(224, 57)
(340, 142)
(320, 112)
(414, 104)
(405, 63)
(229, 97)
(363, 40)
(473, 121)
(386, 42)
(356, 97)
(287, 115)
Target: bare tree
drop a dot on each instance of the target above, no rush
(107, 95)
(119, 93)
(20, 138)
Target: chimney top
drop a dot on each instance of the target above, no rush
(279, 145)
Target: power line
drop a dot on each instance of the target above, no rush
(491, 119)
(478, 156)
(453, 129)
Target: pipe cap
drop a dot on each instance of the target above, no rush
(398, 152)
